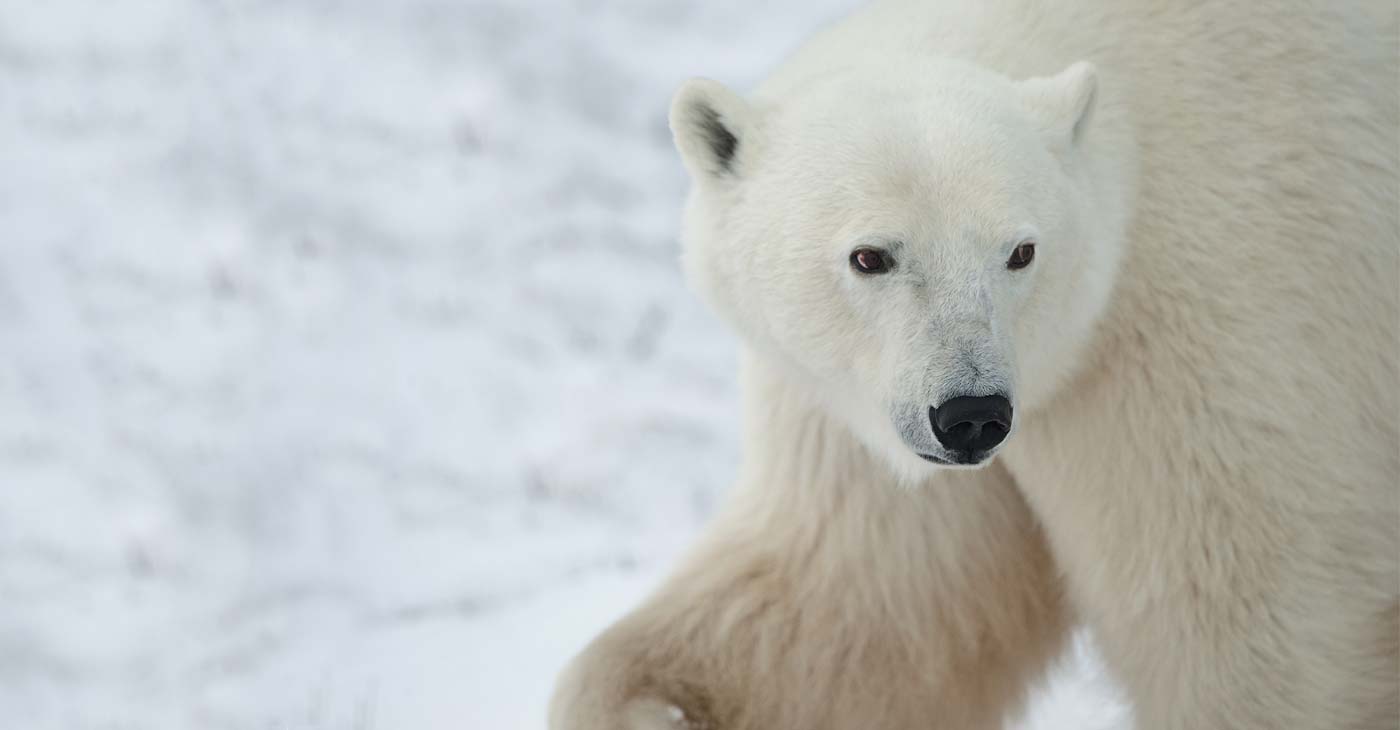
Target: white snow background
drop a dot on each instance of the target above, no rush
(347, 375)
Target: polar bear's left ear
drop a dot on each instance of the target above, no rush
(711, 125)
(1063, 103)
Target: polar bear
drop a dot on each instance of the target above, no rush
(1053, 313)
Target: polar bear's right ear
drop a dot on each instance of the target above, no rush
(710, 124)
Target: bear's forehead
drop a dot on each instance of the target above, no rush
(954, 148)
(907, 178)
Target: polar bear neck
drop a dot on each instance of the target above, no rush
(791, 436)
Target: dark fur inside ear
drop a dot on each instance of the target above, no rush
(723, 144)
(710, 124)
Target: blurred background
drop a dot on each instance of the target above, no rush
(349, 379)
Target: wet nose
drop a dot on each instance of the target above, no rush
(969, 424)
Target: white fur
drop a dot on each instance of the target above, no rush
(1202, 360)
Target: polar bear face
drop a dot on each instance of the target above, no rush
(922, 248)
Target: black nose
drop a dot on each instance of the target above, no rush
(968, 424)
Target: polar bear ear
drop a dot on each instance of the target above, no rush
(1063, 103)
(710, 124)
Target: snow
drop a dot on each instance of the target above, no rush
(347, 376)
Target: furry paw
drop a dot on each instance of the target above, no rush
(653, 714)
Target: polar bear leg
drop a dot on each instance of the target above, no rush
(827, 597)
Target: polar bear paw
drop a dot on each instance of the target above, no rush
(652, 714)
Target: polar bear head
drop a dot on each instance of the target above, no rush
(927, 249)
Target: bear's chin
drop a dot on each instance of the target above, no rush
(935, 459)
(912, 469)
(950, 464)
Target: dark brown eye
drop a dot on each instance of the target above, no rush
(870, 261)
(1022, 256)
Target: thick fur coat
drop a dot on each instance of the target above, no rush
(1204, 460)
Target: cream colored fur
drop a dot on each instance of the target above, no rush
(1203, 360)
(848, 603)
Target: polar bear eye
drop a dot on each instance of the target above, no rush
(1021, 257)
(870, 261)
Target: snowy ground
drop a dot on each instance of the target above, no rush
(347, 378)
